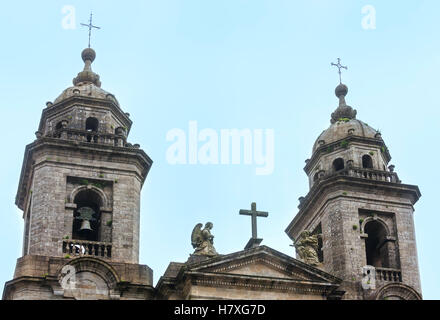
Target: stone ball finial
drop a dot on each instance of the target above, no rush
(87, 75)
(88, 54)
(341, 90)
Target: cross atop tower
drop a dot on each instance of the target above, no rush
(339, 66)
(254, 241)
(90, 26)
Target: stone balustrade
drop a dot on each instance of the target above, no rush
(371, 174)
(356, 172)
(388, 275)
(90, 136)
(87, 248)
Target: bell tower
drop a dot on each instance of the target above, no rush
(79, 191)
(361, 211)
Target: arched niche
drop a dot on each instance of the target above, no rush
(397, 291)
(338, 164)
(367, 162)
(92, 124)
(103, 196)
(380, 246)
(379, 220)
(88, 278)
(86, 223)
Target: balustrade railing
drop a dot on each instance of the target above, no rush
(90, 136)
(388, 274)
(370, 174)
(356, 172)
(87, 248)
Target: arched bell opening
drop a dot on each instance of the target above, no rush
(92, 124)
(376, 245)
(87, 216)
(367, 162)
(338, 164)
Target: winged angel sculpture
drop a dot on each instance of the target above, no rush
(202, 240)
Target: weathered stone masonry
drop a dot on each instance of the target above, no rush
(81, 159)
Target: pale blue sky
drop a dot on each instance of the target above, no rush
(230, 64)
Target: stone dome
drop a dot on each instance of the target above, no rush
(88, 90)
(340, 130)
(86, 83)
(343, 122)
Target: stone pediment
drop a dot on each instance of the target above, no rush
(256, 273)
(264, 263)
(258, 268)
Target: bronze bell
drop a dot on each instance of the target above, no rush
(85, 226)
(86, 215)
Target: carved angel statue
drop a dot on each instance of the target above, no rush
(203, 241)
(307, 247)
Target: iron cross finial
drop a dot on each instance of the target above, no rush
(339, 66)
(90, 26)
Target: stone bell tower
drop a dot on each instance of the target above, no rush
(361, 210)
(79, 190)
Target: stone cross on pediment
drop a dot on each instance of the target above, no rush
(254, 241)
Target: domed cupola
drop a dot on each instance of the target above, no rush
(85, 111)
(86, 83)
(348, 142)
(344, 123)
